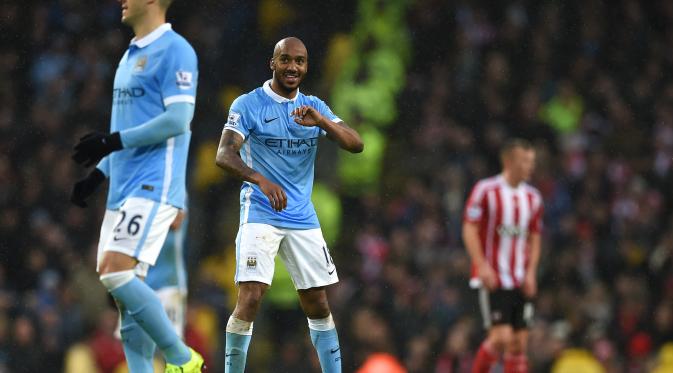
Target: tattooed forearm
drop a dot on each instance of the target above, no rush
(228, 159)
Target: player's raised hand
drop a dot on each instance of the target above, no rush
(274, 193)
(307, 116)
(487, 276)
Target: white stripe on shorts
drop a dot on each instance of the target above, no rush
(485, 306)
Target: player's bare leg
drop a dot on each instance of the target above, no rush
(498, 339)
(141, 303)
(239, 326)
(113, 261)
(321, 326)
(250, 296)
(515, 353)
(314, 303)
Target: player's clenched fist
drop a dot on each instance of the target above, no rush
(307, 116)
(274, 193)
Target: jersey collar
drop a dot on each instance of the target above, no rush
(275, 96)
(152, 36)
(505, 184)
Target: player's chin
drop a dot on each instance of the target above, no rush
(291, 83)
(128, 18)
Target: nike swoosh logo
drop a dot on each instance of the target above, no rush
(269, 120)
(335, 350)
(119, 238)
(227, 355)
(330, 272)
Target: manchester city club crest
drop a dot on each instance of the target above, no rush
(251, 263)
(140, 64)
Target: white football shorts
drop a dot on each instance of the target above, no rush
(138, 229)
(303, 251)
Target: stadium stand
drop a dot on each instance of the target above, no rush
(587, 81)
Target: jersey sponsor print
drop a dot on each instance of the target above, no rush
(281, 150)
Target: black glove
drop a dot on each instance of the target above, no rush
(94, 146)
(85, 187)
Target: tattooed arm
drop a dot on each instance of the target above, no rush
(229, 160)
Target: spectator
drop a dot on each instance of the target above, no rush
(585, 80)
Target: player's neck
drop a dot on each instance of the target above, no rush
(278, 89)
(510, 179)
(147, 25)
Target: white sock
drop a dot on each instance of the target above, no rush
(238, 326)
(115, 280)
(322, 325)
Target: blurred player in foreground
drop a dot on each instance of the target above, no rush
(276, 130)
(168, 276)
(501, 231)
(145, 158)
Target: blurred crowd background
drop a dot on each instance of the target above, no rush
(588, 81)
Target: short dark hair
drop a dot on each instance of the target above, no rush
(514, 143)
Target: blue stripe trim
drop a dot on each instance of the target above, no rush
(238, 250)
(148, 226)
(180, 257)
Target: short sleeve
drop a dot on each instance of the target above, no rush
(476, 205)
(325, 111)
(237, 120)
(536, 223)
(179, 73)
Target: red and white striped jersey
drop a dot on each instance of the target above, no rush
(506, 216)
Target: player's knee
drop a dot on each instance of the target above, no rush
(314, 303)
(318, 309)
(500, 340)
(516, 346)
(498, 345)
(250, 296)
(249, 302)
(112, 262)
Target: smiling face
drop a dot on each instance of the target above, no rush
(289, 64)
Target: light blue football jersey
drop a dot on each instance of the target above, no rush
(156, 71)
(279, 149)
(170, 271)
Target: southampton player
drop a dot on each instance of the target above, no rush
(501, 231)
(145, 158)
(276, 128)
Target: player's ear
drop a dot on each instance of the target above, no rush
(272, 64)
